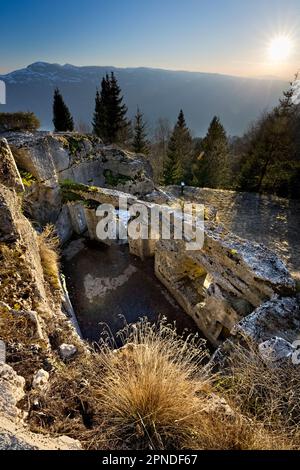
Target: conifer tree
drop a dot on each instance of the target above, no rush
(100, 115)
(271, 159)
(140, 143)
(212, 166)
(97, 119)
(178, 164)
(62, 118)
(118, 125)
(110, 121)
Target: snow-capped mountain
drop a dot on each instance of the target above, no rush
(159, 93)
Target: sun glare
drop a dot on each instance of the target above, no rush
(280, 48)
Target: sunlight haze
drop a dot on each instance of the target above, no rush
(237, 38)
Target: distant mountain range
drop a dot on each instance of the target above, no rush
(159, 93)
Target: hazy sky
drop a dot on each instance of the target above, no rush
(224, 36)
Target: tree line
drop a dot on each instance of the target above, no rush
(265, 160)
(110, 121)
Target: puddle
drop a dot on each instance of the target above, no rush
(108, 285)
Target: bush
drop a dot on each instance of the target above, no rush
(18, 122)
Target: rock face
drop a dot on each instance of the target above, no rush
(9, 175)
(51, 158)
(266, 219)
(25, 299)
(223, 282)
(16, 230)
(11, 391)
(275, 350)
(279, 317)
(272, 329)
(17, 437)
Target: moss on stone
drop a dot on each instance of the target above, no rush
(115, 179)
(27, 178)
(69, 196)
(73, 186)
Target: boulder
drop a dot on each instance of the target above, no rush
(66, 351)
(40, 379)
(275, 349)
(272, 330)
(15, 436)
(278, 317)
(216, 405)
(11, 391)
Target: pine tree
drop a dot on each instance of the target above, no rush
(62, 118)
(102, 102)
(271, 158)
(212, 166)
(178, 164)
(140, 143)
(98, 116)
(117, 122)
(110, 121)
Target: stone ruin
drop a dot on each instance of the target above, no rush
(218, 285)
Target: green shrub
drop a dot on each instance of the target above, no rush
(18, 122)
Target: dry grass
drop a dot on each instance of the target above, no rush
(15, 327)
(16, 283)
(268, 394)
(48, 246)
(157, 393)
(151, 389)
(25, 353)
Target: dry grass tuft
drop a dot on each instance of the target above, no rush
(48, 246)
(154, 393)
(151, 389)
(267, 394)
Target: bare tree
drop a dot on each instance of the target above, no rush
(82, 127)
(158, 155)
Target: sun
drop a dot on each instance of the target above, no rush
(280, 48)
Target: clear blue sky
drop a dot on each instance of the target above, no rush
(225, 36)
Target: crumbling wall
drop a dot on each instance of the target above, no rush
(224, 281)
